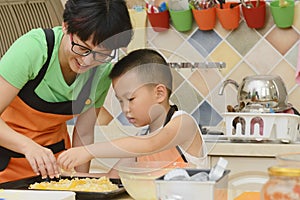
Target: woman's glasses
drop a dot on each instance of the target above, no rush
(97, 56)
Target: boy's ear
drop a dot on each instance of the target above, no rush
(161, 92)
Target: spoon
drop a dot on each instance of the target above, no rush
(221, 3)
(232, 5)
(247, 5)
(257, 3)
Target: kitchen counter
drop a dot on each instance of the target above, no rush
(248, 162)
(127, 197)
(256, 149)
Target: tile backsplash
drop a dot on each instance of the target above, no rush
(246, 51)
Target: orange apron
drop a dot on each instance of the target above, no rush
(173, 154)
(42, 121)
(44, 128)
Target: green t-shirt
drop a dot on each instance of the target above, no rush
(25, 58)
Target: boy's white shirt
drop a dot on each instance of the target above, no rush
(196, 162)
(200, 162)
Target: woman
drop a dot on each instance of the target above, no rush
(47, 80)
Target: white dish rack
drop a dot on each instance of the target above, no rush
(282, 127)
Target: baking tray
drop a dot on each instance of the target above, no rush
(24, 184)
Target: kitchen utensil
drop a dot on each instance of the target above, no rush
(232, 5)
(275, 127)
(230, 108)
(177, 174)
(246, 5)
(260, 93)
(221, 2)
(257, 3)
(178, 5)
(194, 4)
(283, 3)
(263, 91)
(138, 177)
(218, 170)
(190, 189)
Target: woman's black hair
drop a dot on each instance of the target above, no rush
(107, 22)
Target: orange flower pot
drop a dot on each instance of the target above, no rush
(205, 19)
(229, 17)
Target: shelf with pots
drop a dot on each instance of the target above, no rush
(182, 13)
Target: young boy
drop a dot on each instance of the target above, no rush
(142, 82)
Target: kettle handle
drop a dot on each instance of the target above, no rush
(226, 82)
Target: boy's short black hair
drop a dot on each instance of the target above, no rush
(106, 21)
(150, 66)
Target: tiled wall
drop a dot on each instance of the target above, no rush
(246, 51)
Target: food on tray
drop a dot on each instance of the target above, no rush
(102, 184)
(249, 195)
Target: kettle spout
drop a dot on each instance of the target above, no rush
(226, 82)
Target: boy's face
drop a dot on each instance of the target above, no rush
(137, 99)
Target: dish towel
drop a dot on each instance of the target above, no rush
(298, 66)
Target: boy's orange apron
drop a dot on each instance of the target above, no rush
(42, 121)
(173, 155)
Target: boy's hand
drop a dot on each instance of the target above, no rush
(73, 157)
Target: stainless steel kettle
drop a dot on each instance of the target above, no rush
(260, 93)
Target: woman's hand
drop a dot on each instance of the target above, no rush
(73, 157)
(42, 161)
